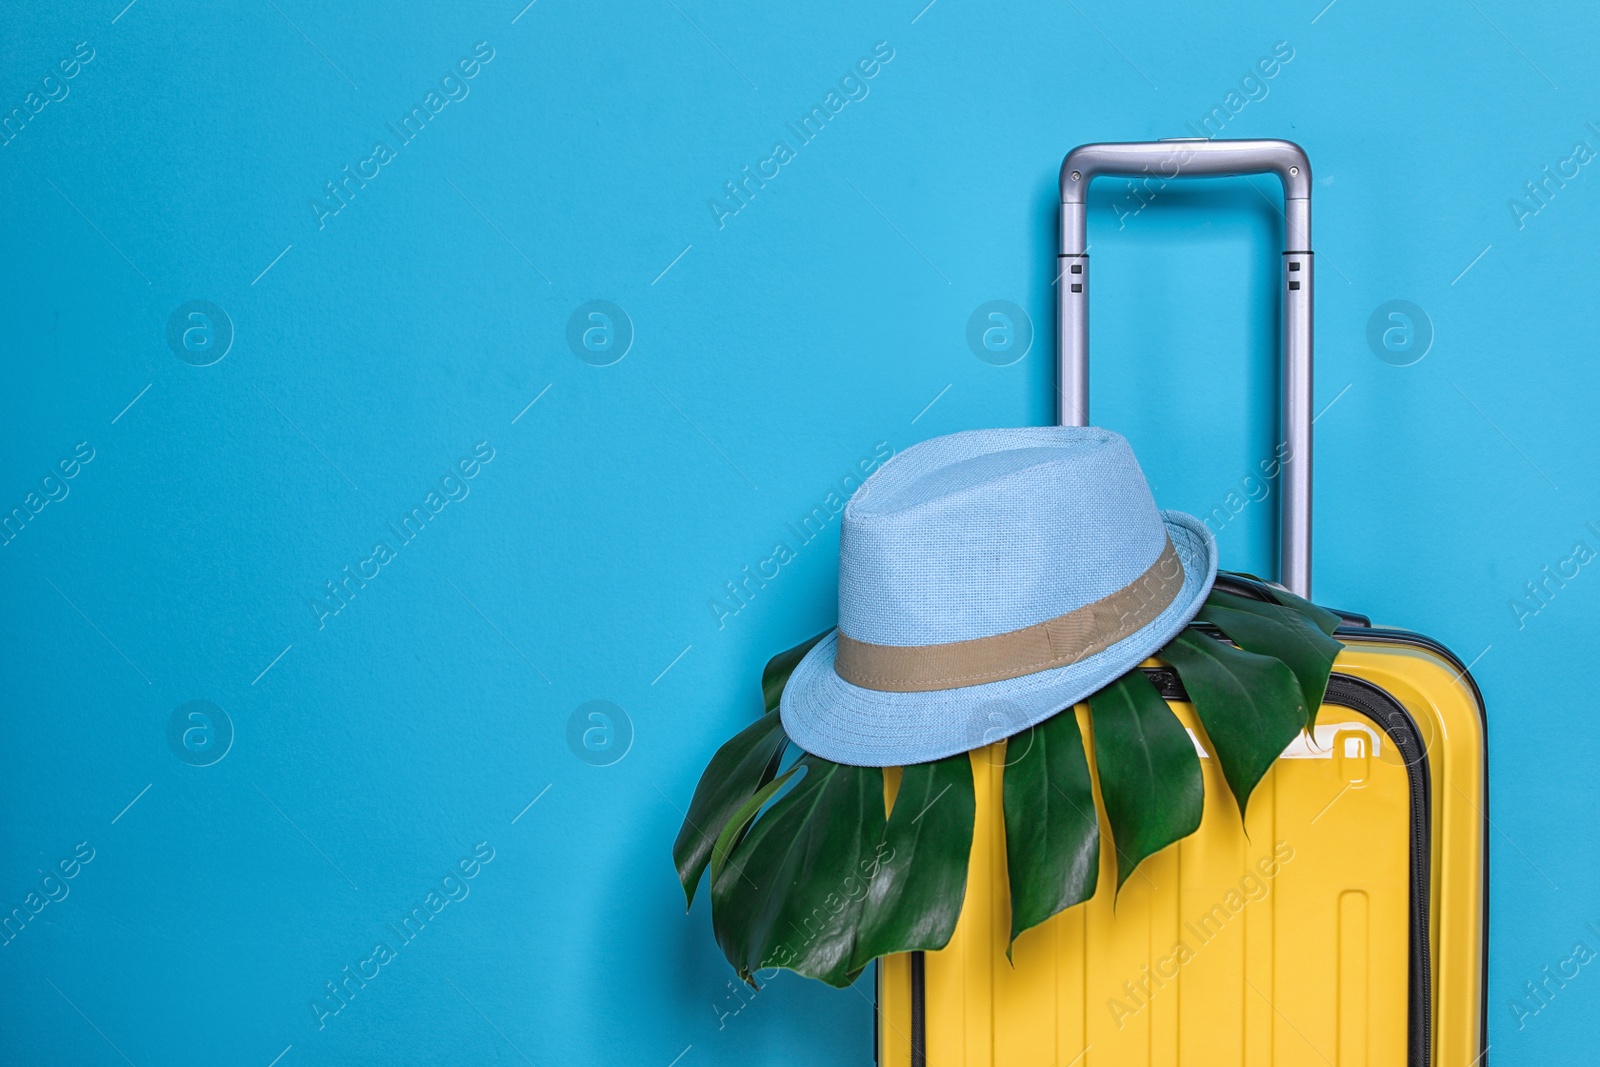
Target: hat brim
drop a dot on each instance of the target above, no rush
(829, 717)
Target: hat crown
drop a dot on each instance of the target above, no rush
(981, 533)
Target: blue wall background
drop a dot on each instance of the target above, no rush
(364, 754)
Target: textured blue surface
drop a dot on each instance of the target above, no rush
(566, 604)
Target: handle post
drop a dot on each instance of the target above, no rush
(1199, 157)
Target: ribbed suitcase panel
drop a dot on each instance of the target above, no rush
(1341, 928)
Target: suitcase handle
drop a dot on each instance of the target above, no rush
(1193, 157)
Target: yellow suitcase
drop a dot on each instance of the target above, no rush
(1343, 924)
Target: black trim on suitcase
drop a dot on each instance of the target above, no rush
(1389, 636)
(919, 1010)
(1382, 708)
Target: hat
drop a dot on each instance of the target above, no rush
(987, 580)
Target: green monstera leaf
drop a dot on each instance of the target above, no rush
(1149, 772)
(791, 893)
(810, 873)
(918, 880)
(1320, 617)
(739, 822)
(1052, 828)
(811, 889)
(1249, 704)
(737, 772)
(1283, 632)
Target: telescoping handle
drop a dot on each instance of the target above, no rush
(1194, 157)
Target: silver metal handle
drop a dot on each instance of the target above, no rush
(1187, 157)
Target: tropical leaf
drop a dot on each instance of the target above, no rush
(809, 873)
(1248, 703)
(779, 667)
(1320, 617)
(733, 832)
(740, 769)
(1149, 773)
(918, 878)
(1283, 633)
(1052, 829)
(791, 892)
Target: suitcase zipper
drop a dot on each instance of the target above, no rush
(1398, 724)
(1412, 639)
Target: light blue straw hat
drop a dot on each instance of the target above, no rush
(987, 580)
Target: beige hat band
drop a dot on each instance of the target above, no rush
(1056, 642)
